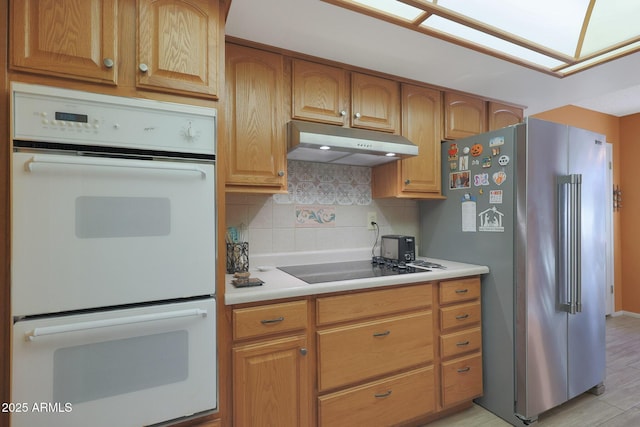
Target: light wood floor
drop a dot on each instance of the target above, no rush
(618, 406)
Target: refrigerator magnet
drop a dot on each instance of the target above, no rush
(503, 160)
(491, 220)
(495, 197)
(464, 162)
(496, 141)
(481, 179)
(495, 151)
(453, 152)
(476, 150)
(453, 165)
(486, 162)
(459, 180)
(499, 177)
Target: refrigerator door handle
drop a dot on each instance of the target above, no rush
(569, 219)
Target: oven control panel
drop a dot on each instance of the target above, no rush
(49, 114)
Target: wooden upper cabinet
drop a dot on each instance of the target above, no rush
(178, 46)
(375, 103)
(503, 115)
(68, 38)
(255, 124)
(421, 118)
(320, 93)
(415, 177)
(464, 115)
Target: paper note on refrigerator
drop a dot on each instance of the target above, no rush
(468, 213)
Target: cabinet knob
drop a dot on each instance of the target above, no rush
(343, 113)
(303, 351)
(357, 115)
(407, 181)
(143, 67)
(280, 173)
(108, 62)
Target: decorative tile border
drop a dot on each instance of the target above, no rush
(327, 184)
(315, 216)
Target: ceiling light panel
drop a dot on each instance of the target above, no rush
(469, 34)
(611, 22)
(551, 23)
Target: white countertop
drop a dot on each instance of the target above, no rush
(278, 284)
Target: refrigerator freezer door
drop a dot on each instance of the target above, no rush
(586, 329)
(541, 327)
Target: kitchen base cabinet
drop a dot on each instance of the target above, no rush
(367, 350)
(461, 379)
(270, 381)
(381, 403)
(271, 367)
(460, 341)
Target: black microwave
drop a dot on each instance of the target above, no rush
(397, 248)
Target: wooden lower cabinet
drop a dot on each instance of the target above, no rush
(354, 353)
(398, 355)
(271, 383)
(380, 403)
(460, 341)
(461, 379)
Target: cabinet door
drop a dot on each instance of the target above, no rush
(375, 103)
(271, 384)
(68, 38)
(502, 115)
(464, 116)
(255, 125)
(178, 46)
(319, 92)
(421, 118)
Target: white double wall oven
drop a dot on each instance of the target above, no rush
(113, 259)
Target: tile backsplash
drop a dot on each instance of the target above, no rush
(325, 208)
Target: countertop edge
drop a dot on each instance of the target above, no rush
(288, 286)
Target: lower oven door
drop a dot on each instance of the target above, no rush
(92, 232)
(129, 367)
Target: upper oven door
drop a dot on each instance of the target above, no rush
(96, 232)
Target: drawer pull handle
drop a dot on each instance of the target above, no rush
(462, 291)
(461, 370)
(462, 316)
(382, 395)
(381, 334)
(270, 321)
(462, 344)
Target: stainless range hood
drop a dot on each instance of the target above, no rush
(315, 142)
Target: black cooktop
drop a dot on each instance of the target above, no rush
(331, 272)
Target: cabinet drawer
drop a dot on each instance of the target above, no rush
(356, 353)
(460, 342)
(372, 303)
(381, 403)
(269, 319)
(459, 290)
(461, 379)
(460, 315)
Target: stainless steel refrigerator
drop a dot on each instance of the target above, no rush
(529, 201)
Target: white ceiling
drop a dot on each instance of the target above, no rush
(320, 29)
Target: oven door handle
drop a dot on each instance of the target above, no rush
(105, 323)
(118, 163)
